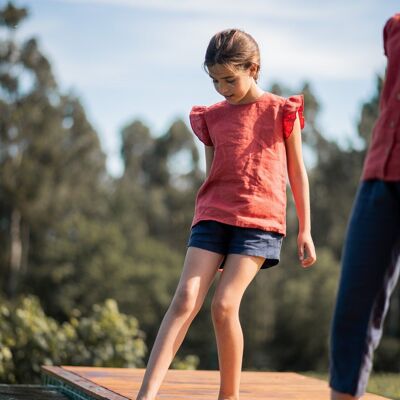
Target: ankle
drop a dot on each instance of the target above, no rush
(228, 397)
(142, 396)
(341, 396)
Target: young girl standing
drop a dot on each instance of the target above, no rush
(252, 142)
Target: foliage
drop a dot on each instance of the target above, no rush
(74, 236)
(387, 356)
(51, 163)
(385, 384)
(189, 362)
(306, 301)
(30, 339)
(105, 338)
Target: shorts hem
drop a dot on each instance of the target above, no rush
(206, 247)
(270, 260)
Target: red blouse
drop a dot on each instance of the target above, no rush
(246, 185)
(383, 157)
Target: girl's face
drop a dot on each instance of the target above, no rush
(236, 85)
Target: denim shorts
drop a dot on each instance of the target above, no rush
(229, 239)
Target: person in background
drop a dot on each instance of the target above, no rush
(371, 258)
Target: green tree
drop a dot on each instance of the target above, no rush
(51, 163)
(173, 179)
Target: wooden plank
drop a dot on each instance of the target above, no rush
(197, 385)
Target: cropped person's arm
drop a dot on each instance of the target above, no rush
(300, 188)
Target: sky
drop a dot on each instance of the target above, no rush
(142, 59)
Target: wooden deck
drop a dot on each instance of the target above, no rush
(123, 384)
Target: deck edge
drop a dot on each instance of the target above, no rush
(76, 387)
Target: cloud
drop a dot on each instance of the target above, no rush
(296, 40)
(294, 52)
(291, 10)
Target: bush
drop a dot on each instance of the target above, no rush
(6, 359)
(29, 339)
(106, 338)
(190, 361)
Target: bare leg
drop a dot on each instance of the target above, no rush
(341, 396)
(199, 270)
(239, 271)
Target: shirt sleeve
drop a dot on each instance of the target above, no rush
(199, 125)
(292, 105)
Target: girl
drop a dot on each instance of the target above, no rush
(252, 140)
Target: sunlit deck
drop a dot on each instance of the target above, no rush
(123, 383)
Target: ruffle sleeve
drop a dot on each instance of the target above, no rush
(293, 105)
(198, 124)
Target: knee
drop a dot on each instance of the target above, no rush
(184, 301)
(223, 309)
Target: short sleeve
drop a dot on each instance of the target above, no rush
(198, 124)
(293, 105)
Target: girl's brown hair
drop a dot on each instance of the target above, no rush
(233, 48)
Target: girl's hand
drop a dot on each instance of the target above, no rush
(306, 250)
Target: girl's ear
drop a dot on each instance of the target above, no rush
(253, 70)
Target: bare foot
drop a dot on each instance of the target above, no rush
(342, 396)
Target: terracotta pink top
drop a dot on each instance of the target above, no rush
(383, 157)
(246, 185)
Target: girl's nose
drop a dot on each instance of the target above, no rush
(223, 89)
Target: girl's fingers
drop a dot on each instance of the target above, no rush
(311, 257)
(301, 251)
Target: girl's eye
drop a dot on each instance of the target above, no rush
(227, 81)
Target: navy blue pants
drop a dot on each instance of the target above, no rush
(370, 270)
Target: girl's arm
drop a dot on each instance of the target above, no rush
(299, 184)
(209, 158)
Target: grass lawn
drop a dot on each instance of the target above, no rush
(384, 384)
